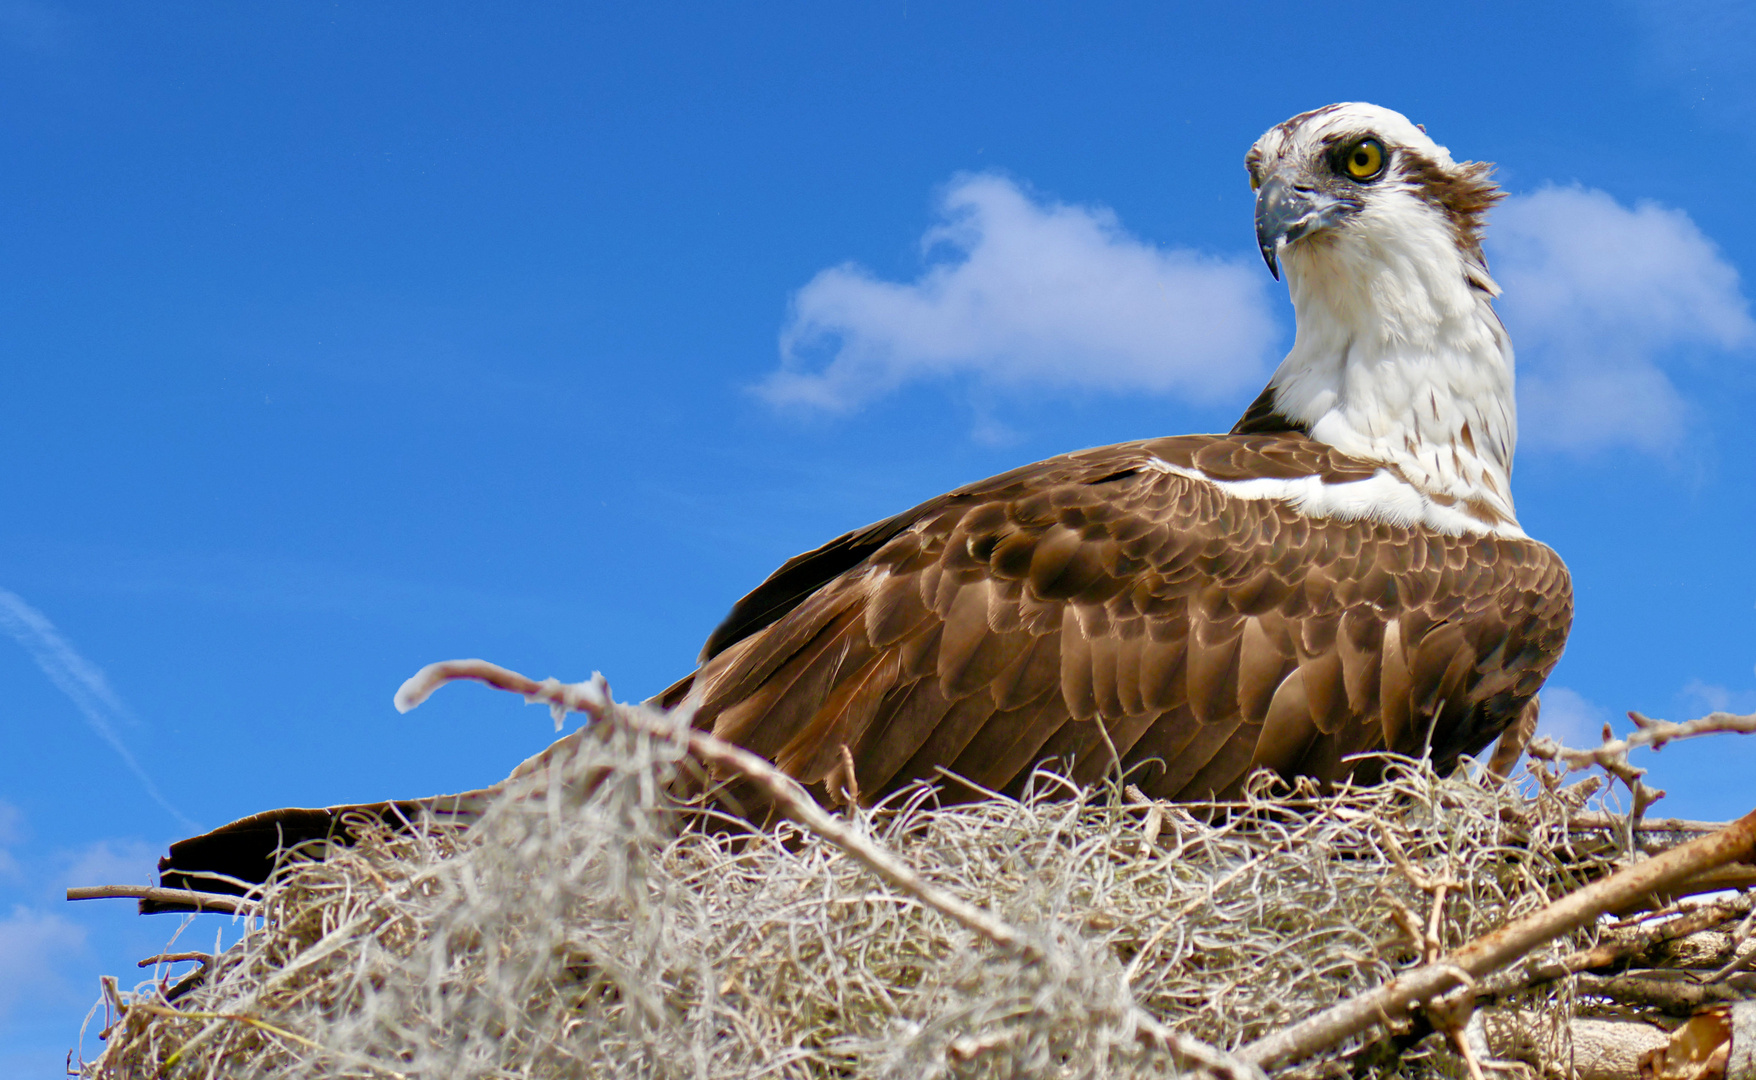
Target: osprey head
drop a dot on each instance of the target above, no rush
(1354, 170)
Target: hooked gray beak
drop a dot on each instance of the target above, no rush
(1285, 214)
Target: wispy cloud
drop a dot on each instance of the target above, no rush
(1599, 298)
(1570, 718)
(1022, 291)
(81, 681)
(1715, 698)
(1019, 291)
(32, 945)
(113, 862)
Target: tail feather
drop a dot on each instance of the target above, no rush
(234, 858)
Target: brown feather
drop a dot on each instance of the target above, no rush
(999, 623)
(1222, 775)
(1264, 658)
(1007, 744)
(1212, 666)
(1287, 727)
(1394, 690)
(1034, 672)
(840, 721)
(963, 720)
(1109, 609)
(1076, 691)
(769, 717)
(908, 716)
(1163, 681)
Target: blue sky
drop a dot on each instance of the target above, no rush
(340, 339)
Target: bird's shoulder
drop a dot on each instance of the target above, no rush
(1143, 494)
(980, 629)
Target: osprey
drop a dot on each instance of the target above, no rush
(1342, 572)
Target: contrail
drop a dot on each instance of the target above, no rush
(81, 681)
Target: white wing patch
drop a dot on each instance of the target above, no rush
(1382, 496)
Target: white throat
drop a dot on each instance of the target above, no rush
(1400, 359)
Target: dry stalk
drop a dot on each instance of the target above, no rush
(592, 697)
(1683, 925)
(176, 958)
(1612, 755)
(574, 931)
(231, 905)
(1398, 997)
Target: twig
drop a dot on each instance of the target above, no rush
(1656, 733)
(592, 697)
(262, 1025)
(113, 1004)
(1603, 955)
(1686, 906)
(1671, 996)
(1612, 756)
(1594, 820)
(176, 958)
(1720, 879)
(202, 901)
(1487, 954)
(1187, 1051)
(1741, 958)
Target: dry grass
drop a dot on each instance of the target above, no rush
(576, 931)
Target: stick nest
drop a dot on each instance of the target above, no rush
(586, 926)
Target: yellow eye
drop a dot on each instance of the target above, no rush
(1363, 160)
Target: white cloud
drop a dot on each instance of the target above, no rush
(1598, 298)
(80, 680)
(1571, 719)
(31, 945)
(1018, 291)
(113, 862)
(1024, 292)
(1715, 698)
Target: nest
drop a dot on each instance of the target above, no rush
(587, 926)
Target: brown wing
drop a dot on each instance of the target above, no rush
(1101, 610)
(1090, 608)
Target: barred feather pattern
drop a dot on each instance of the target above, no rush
(1103, 611)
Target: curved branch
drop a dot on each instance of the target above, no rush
(1493, 951)
(593, 698)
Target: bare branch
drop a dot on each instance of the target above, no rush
(1612, 756)
(1594, 820)
(176, 958)
(1656, 733)
(593, 698)
(1675, 997)
(201, 901)
(1187, 1051)
(1487, 954)
(1630, 945)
